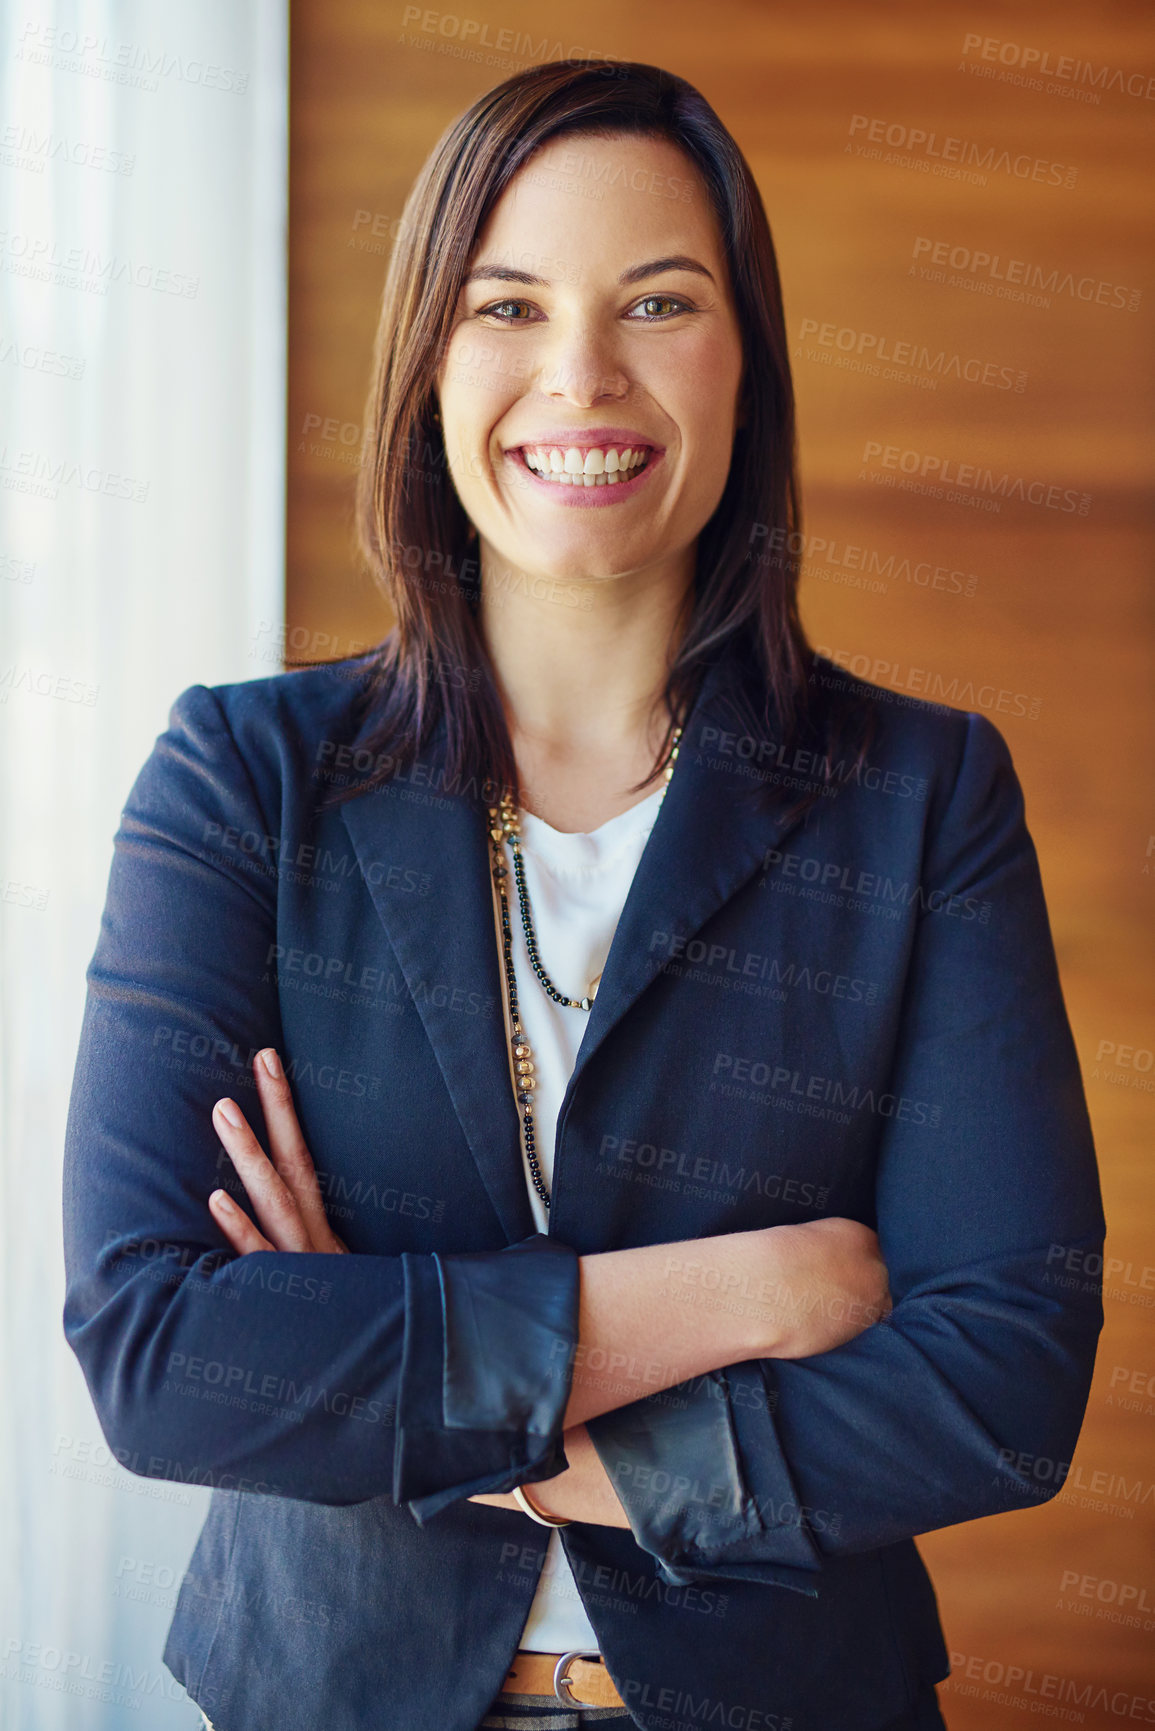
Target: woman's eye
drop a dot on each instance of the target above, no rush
(657, 301)
(500, 310)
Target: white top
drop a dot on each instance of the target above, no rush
(577, 888)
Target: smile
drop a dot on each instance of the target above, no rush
(600, 466)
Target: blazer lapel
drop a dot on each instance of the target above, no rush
(448, 935)
(710, 837)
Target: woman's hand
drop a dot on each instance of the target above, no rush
(833, 1285)
(283, 1189)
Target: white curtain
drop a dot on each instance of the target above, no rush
(143, 172)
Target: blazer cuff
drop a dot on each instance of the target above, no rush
(486, 1370)
(676, 1462)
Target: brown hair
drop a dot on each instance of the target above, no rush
(411, 527)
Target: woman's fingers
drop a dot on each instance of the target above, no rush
(273, 1202)
(288, 1152)
(236, 1225)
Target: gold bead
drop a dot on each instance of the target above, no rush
(525, 1066)
(521, 1050)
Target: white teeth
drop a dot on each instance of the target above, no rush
(596, 467)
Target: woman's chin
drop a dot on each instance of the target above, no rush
(541, 560)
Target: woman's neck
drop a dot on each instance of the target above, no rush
(581, 668)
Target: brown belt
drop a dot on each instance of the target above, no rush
(576, 1679)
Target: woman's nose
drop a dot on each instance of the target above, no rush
(581, 365)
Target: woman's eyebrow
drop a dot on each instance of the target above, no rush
(655, 267)
(635, 273)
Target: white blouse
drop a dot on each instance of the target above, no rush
(577, 888)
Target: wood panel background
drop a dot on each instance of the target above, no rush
(1043, 616)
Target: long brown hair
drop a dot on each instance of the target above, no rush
(411, 527)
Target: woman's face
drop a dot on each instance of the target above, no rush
(598, 321)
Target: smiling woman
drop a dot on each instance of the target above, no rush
(733, 1289)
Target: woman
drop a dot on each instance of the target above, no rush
(549, 1232)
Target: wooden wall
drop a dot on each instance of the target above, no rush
(1043, 616)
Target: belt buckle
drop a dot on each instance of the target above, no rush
(561, 1686)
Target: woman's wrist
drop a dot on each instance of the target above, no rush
(656, 1315)
(582, 1492)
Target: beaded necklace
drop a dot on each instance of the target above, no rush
(504, 826)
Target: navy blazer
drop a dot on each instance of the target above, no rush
(854, 1012)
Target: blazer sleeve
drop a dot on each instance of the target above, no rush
(329, 1378)
(968, 1398)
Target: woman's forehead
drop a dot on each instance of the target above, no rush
(640, 192)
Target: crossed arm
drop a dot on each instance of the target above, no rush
(804, 1290)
